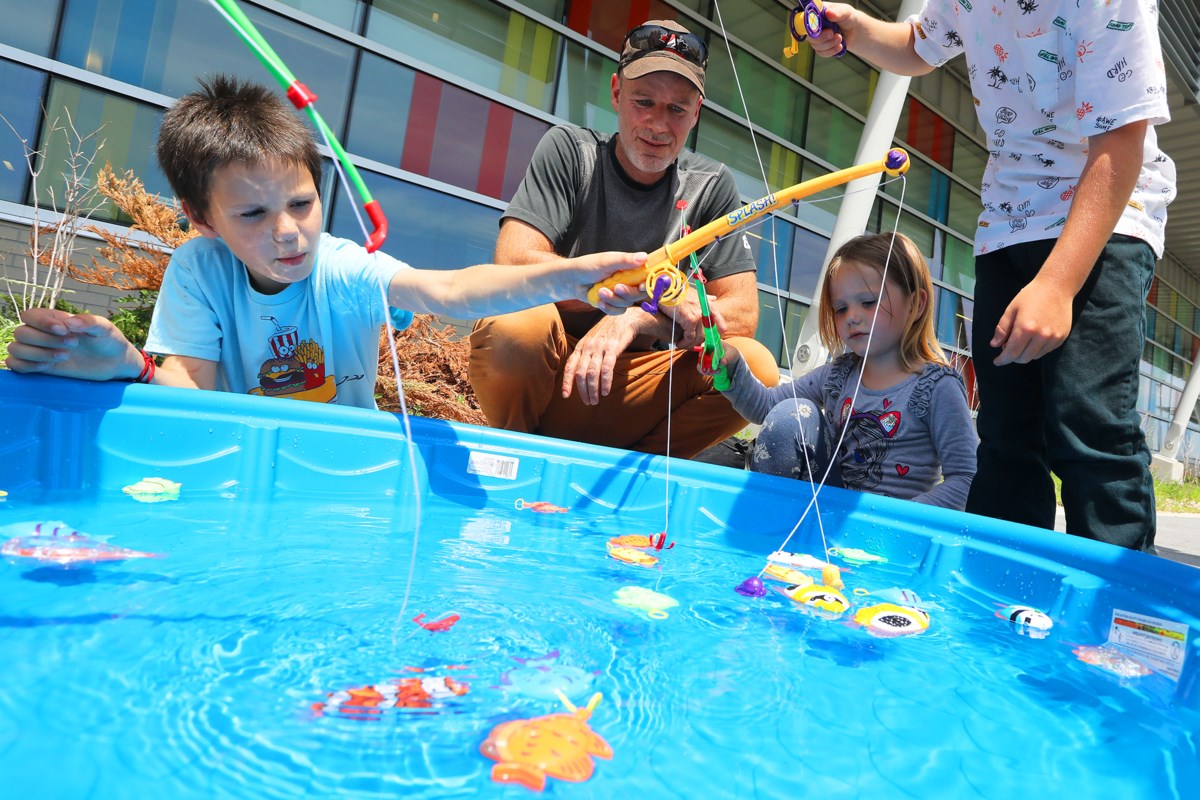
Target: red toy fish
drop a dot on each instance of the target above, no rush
(437, 626)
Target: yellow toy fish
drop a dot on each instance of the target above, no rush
(822, 598)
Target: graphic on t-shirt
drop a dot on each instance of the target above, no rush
(296, 368)
(868, 441)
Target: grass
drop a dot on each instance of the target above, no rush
(1169, 497)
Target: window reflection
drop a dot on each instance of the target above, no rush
(28, 26)
(175, 45)
(428, 229)
(771, 243)
(21, 90)
(415, 121)
(347, 14)
(808, 255)
(477, 40)
(584, 96)
(832, 134)
(127, 130)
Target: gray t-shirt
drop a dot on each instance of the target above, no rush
(900, 441)
(577, 194)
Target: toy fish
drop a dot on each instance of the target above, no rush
(654, 604)
(795, 577)
(852, 555)
(369, 702)
(1027, 620)
(631, 555)
(528, 751)
(822, 598)
(153, 490)
(540, 506)
(1113, 660)
(888, 620)
(797, 560)
(55, 543)
(656, 541)
(439, 625)
(542, 678)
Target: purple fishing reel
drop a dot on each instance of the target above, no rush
(812, 22)
(661, 284)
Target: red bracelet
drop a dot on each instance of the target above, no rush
(147, 373)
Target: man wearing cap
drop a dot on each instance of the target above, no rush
(566, 370)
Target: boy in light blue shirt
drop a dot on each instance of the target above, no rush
(263, 302)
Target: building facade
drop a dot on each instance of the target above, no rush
(441, 102)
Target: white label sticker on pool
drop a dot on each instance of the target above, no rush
(492, 466)
(1156, 641)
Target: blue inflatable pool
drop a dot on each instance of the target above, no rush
(262, 652)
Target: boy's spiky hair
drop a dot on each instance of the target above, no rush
(226, 121)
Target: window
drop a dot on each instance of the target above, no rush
(429, 229)
(163, 47)
(849, 79)
(347, 14)
(808, 257)
(477, 40)
(29, 26)
(730, 144)
(127, 129)
(832, 134)
(21, 91)
(958, 268)
(775, 101)
(584, 97)
(771, 243)
(963, 215)
(408, 119)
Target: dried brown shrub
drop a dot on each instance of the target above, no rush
(433, 363)
(138, 264)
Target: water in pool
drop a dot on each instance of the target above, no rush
(215, 671)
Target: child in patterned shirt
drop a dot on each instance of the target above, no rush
(890, 410)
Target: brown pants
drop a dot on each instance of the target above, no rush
(516, 367)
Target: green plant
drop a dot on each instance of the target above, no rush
(133, 317)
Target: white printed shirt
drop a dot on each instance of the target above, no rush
(1046, 75)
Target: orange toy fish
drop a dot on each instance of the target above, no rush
(562, 746)
(55, 543)
(540, 506)
(369, 702)
(657, 541)
(438, 625)
(631, 555)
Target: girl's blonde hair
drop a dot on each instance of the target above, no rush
(906, 271)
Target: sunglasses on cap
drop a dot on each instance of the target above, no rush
(648, 39)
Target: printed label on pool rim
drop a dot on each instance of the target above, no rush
(492, 466)
(1158, 642)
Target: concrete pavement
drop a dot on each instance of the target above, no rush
(1177, 538)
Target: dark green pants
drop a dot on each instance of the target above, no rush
(1073, 411)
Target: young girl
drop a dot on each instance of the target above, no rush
(907, 428)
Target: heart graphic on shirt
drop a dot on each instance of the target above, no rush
(901, 470)
(886, 403)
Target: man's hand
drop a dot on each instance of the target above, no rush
(688, 330)
(71, 345)
(590, 367)
(1036, 322)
